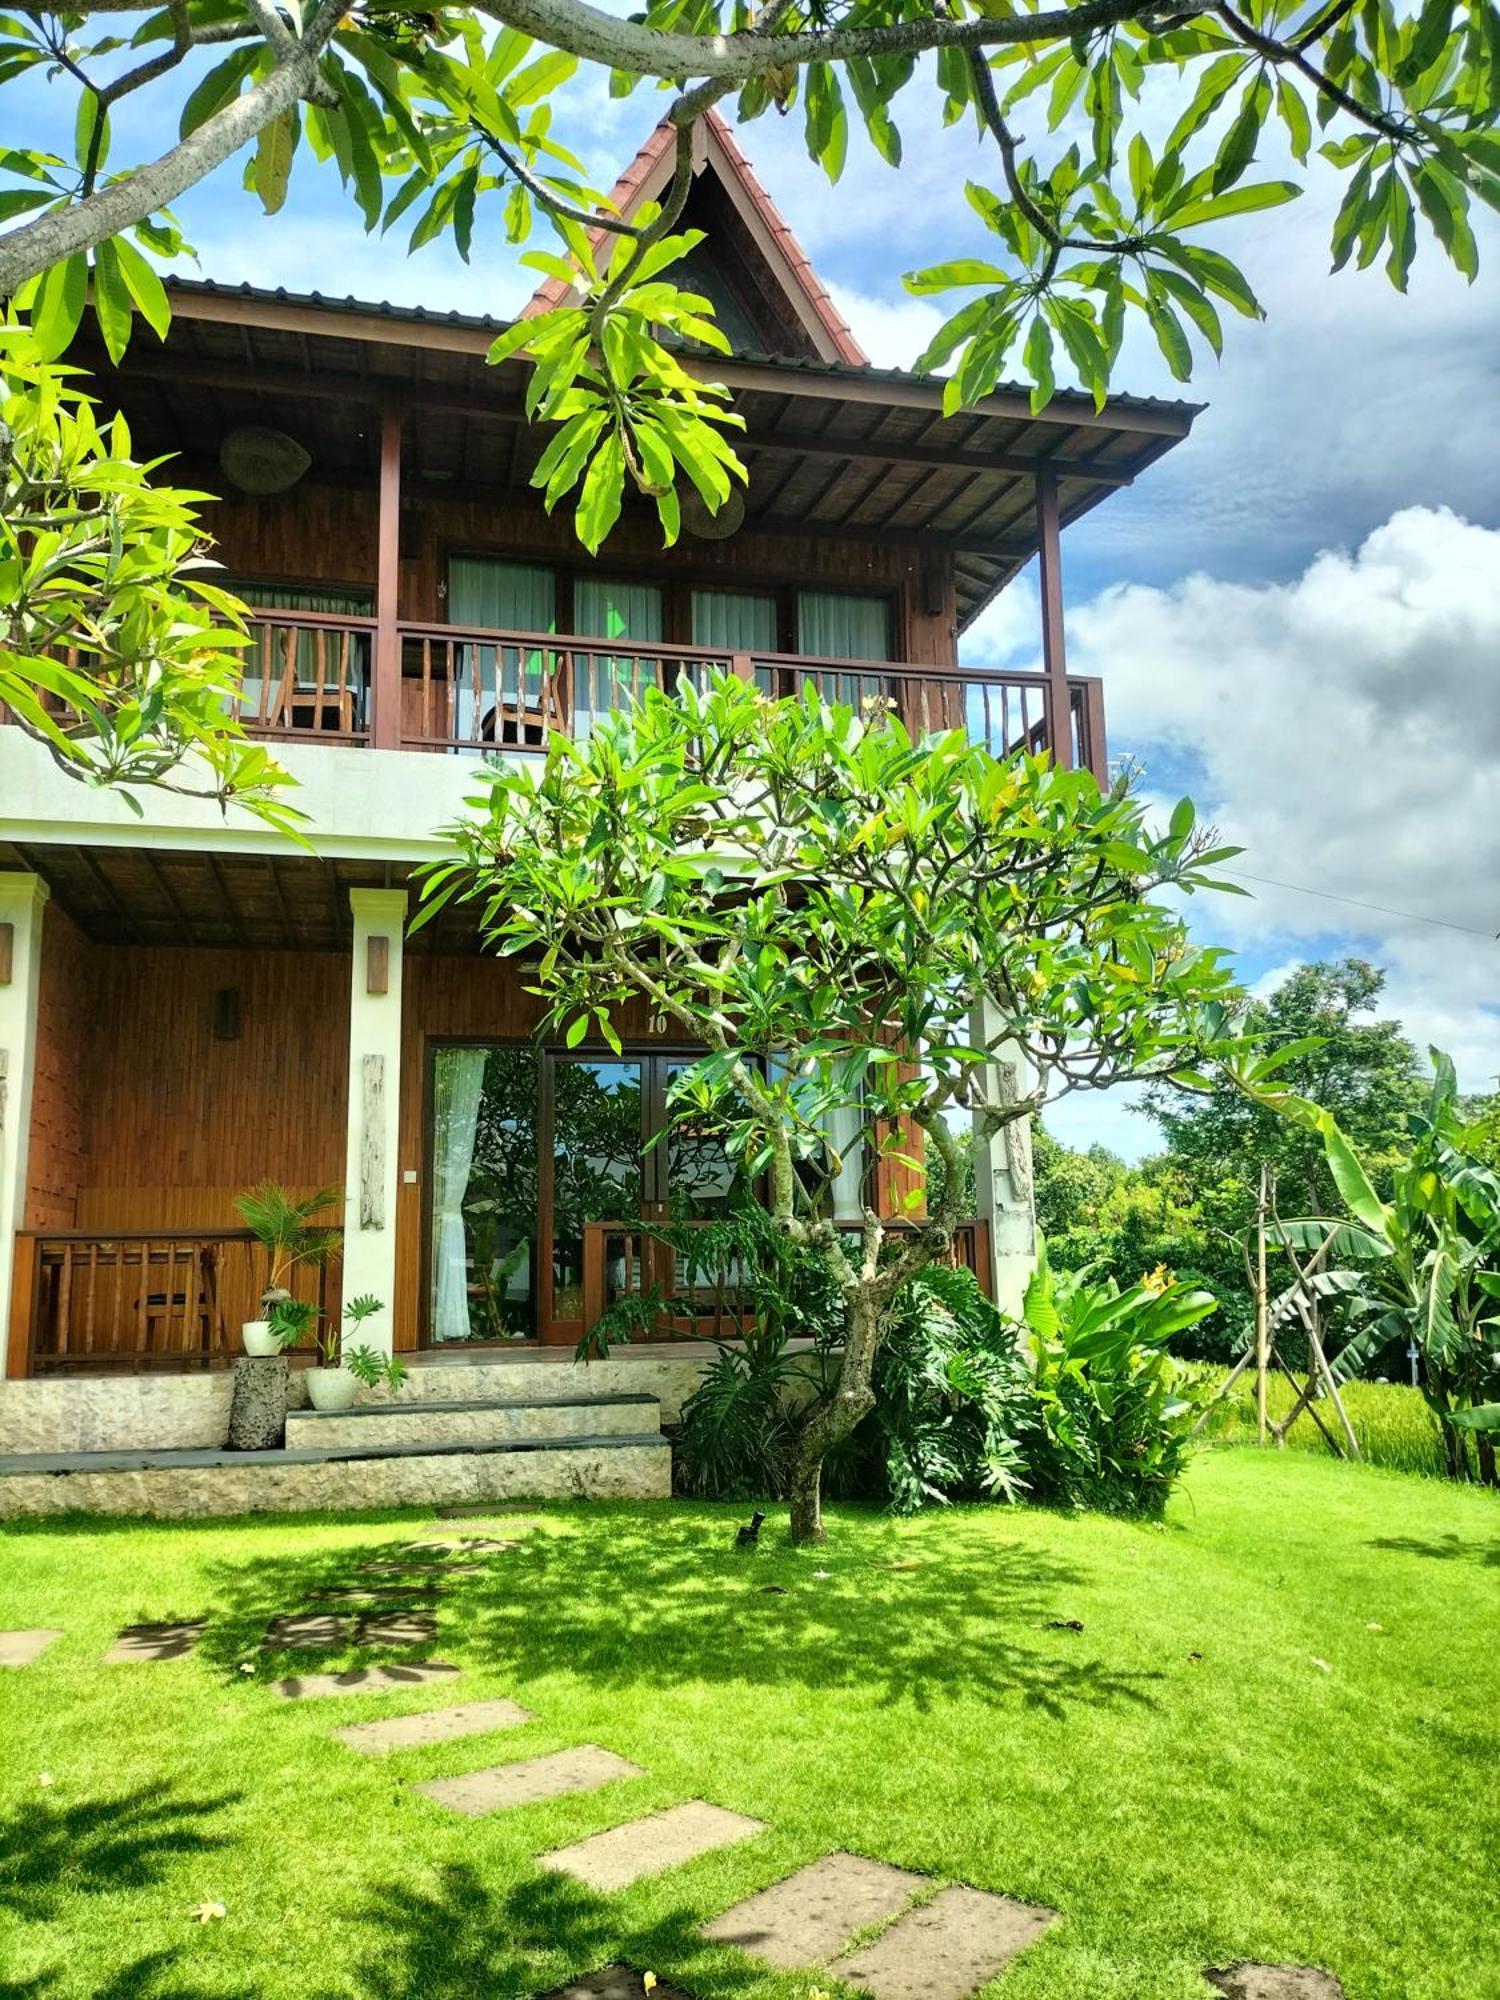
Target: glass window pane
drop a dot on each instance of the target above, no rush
(484, 1190)
(840, 625)
(596, 1164)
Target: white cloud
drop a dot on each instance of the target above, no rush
(1347, 728)
(892, 331)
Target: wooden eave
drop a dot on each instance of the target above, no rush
(833, 450)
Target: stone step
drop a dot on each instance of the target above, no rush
(474, 1420)
(179, 1484)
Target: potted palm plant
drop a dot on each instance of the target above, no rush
(291, 1235)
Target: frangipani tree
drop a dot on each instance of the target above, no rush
(435, 121)
(860, 930)
(118, 652)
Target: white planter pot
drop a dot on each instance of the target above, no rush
(258, 1337)
(330, 1388)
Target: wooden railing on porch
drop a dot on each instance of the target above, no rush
(307, 674)
(138, 1299)
(623, 1260)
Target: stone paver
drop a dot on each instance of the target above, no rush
(397, 1628)
(583, 1769)
(155, 1642)
(463, 1545)
(309, 1628)
(434, 1569)
(19, 1649)
(518, 1515)
(811, 1916)
(365, 1680)
(1249, 1981)
(435, 1725)
(623, 1854)
(946, 1950)
(382, 1593)
(615, 1982)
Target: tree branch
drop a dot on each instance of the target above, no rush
(27, 251)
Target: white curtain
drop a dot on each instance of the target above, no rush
(499, 597)
(845, 1130)
(294, 597)
(613, 610)
(838, 625)
(734, 621)
(459, 1086)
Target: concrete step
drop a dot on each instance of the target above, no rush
(180, 1484)
(475, 1420)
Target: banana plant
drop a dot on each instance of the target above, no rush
(1427, 1265)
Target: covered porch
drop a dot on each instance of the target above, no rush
(192, 1023)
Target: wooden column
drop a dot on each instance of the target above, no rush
(1054, 648)
(385, 727)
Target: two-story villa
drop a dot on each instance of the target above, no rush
(190, 1006)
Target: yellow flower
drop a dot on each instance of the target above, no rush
(648, 1982)
(1158, 1281)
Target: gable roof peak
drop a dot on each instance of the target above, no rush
(716, 150)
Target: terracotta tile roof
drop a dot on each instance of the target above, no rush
(627, 193)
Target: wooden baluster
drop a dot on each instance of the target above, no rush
(141, 1345)
(88, 1299)
(320, 673)
(65, 1301)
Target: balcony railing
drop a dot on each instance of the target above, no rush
(139, 1298)
(314, 677)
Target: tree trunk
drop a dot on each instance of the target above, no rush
(826, 1424)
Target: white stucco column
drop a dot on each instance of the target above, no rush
(1002, 1176)
(22, 900)
(374, 1106)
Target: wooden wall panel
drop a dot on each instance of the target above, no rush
(326, 534)
(172, 1108)
(67, 1035)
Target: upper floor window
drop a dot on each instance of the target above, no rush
(843, 625)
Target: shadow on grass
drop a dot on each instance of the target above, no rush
(53, 1850)
(462, 1939)
(1448, 1548)
(637, 1597)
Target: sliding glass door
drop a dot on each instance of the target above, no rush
(542, 1170)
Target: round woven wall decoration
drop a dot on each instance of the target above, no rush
(259, 460)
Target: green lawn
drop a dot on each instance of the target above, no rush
(905, 1698)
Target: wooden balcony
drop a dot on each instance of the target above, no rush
(310, 677)
(139, 1299)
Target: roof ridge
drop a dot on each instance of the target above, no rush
(552, 291)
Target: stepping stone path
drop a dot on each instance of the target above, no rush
(613, 1860)
(486, 1510)
(364, 1680)
(504, 1785)
(811, 1916)
(943, 1950)
(19, 1649)
(474, 1545)
(615, 1982)
(385, 1593)
(1249, 1981)
(947, 1949)
(309, 1628)
(433, 1570)
(155, 1642)
(435, 1725)
(397, 1628)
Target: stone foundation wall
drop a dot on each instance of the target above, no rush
(621, 1472)
(116, 1413)
(671, 1378)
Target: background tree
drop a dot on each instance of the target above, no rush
(425, 115)
(853, 926)
(118, 653)
(1340, 1054)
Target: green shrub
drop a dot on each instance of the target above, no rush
(951, 1400)
(1110, 1411)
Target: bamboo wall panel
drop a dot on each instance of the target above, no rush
(67, 1036)
(314, 534)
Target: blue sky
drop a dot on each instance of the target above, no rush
(1296, 615)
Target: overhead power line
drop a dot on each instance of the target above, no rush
(1354, 903)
